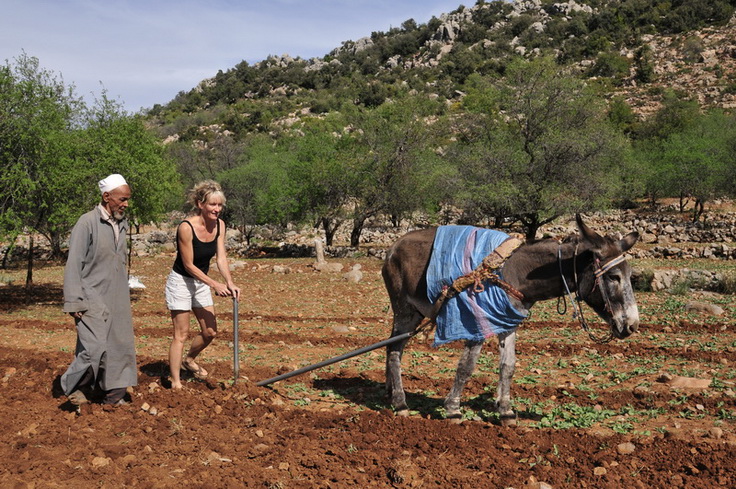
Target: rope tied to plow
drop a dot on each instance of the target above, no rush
(485, 272)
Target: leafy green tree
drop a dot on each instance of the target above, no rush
(699, 161)
(120, 143)
(393, 168)
(34, 106)
(644, 65)
(260, 189)
(55, 149)
(320, 167)
(611, 65)
(550, 150)
(675, 115)
(36, 111)
(621, 115)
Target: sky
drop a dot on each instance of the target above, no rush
(144, 52)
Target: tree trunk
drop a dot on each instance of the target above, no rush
(247, 232)
(55, 243)
(531, 224)
(356, 232)
(698, 209)
(29, 269)
(531, 233)
(330, 227)
(9, 252)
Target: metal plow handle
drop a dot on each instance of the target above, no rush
(236, 338)
(339, 358)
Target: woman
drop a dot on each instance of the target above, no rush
(188, 287)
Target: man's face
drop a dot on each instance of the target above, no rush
(116, 201)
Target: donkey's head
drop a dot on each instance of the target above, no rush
(605, 279)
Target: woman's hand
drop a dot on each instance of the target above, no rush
(234, 291)
(221, 290)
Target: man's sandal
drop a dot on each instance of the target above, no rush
(77, 398)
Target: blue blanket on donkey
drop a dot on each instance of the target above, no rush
(458, 250)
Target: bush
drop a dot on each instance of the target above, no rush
(641, 279)
(693, 49)
(728, 283)
(610, 65)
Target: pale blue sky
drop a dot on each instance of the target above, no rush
(144, 52)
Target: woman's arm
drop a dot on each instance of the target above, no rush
(222, 263)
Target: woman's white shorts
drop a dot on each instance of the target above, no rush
(184, 293)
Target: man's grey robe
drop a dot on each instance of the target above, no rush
(96, 282)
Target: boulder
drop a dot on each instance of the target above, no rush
(704, 308)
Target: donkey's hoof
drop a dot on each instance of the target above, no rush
(455, 420)
(404, 413)
(453, 414)
(508, 421)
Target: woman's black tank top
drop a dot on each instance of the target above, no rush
(203, 252)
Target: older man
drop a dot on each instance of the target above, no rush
(97, 296)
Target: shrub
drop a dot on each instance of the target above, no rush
(610, 65)
(692, 49)
(641, 279)
(727, 284)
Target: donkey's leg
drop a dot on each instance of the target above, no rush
(465, 368)
(403, 322)
(507, 365)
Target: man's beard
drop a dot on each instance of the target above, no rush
(119, 215)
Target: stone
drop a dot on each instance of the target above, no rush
(626, 448)
(98, 462)
(354, 275)
(678, 382)
(704, 308)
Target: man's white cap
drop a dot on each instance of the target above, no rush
(111, 182)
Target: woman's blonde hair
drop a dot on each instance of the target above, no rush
(203, 192)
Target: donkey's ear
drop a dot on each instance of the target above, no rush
(589, 235)
(628, 241)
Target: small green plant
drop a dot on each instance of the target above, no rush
(574, 416)
(622, 427)
(682, 286)
(528, 379)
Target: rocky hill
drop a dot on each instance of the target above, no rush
(637, 50)
(705, 73)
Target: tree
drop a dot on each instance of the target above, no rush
(35, 110)
(674, 115)
(260, 189)
(699, 160)
(54, 149)
(549, 149)
(392, 167)
(320, 167)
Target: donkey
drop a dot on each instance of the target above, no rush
(588, 264)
